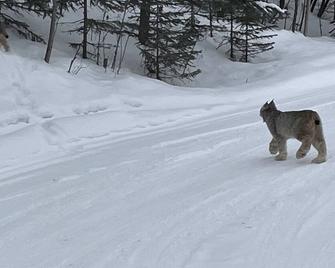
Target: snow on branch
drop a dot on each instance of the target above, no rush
(270, 6)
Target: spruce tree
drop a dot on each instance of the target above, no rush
(250, 23)
(230, 12)
(8, 7)
(250, 39)
(169, 50)
(95, 31)
(122, 27)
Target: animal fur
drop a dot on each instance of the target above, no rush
(304, 126)
(3, 36)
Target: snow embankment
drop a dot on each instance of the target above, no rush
(44, 109)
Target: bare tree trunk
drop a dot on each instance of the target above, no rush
(55, 4)
(122, 55)
(246, 44)
(232, 57)
(286, 14)
(320, 24)
(302, 16)
(157, 41)
(73, 59)
(295, 14)
(119, 36)
(313, 5)
(85, 31)
(210, 17)
(307, 10)
(144, 21)
(282, 3)
(192, 15)
(100, 43)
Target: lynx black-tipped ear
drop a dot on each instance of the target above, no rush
(273, 105)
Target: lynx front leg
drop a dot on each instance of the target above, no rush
(305, 147)
(282, 147)
(273, 146)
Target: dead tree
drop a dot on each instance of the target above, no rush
(54, 18)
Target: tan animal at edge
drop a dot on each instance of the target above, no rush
(3, 36)
(304, 126)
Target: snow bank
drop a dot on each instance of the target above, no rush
(44, 106)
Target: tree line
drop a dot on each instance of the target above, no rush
(166, 32)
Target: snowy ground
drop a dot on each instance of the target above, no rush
(130, 172)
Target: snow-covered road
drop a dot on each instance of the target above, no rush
(200, 194)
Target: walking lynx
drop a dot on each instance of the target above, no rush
(304, 126)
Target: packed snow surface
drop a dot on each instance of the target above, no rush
(104, 171)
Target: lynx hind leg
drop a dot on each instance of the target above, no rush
(306, 143)
(6, 46)
(273, 147)
(321, 147)
(282, 147)
(320, 144)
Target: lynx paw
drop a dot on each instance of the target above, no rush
(319, 160)
(281, 157)
(273, 147)
(301, 154)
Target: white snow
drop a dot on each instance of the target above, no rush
(268, 6)
(104, 171)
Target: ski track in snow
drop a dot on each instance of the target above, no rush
(151, 176)
(202, 194)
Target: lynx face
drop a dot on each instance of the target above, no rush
(304, 126)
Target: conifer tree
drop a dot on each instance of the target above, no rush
(250, 39)
(94, 31)
(249, 24)
(170, 47)
(121, 27)
(230, 11)
(8, 7)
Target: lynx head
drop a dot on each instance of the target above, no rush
(266, 108)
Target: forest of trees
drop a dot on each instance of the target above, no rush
(166, 32)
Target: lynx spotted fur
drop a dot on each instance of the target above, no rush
(304, 126)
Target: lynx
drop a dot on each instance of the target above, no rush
(3, 36)
(304, 126)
